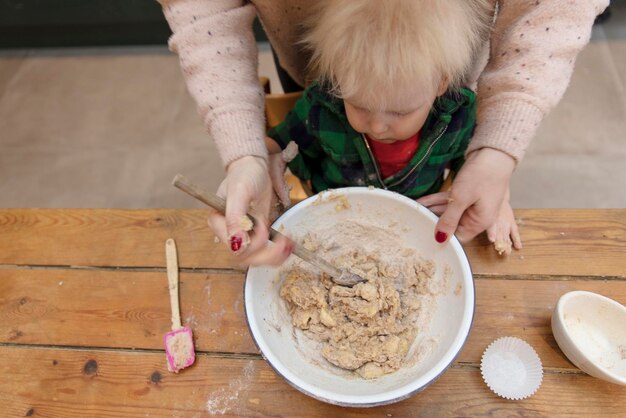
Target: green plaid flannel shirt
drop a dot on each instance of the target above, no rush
(332, 154)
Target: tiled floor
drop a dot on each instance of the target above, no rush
(111, 127)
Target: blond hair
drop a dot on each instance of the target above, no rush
(387, 45)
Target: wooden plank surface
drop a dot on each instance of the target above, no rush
(131, 310)
(72, 383)
(109, 308)
(84, 306)
(587, 242)
(108, 237)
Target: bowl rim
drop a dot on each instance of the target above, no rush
(390, 396)
(572, 345)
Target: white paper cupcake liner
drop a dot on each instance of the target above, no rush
(511, 368)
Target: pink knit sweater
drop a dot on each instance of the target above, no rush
(532, 51)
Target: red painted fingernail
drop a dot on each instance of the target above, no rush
(441, 237)
(288, 248)
(236, 242)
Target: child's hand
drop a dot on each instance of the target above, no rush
(504, 232)
(277, 166)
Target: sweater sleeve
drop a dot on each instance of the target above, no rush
(218, 56)
(532, 51)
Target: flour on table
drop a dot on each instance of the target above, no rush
(226, 400)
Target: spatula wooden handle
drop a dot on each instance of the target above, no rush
(171, 259)
(219, 204)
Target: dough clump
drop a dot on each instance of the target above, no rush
(370, 327)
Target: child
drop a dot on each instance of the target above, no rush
(388, 108)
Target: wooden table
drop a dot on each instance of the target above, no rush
(84, 306)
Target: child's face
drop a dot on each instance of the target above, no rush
(403, 116)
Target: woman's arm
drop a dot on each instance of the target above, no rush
(218, 56)
(533, 48)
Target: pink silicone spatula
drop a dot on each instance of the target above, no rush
(179, 342)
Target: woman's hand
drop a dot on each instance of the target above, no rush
(437, 203)
(247, 184)
(503, 233)
(476, 196)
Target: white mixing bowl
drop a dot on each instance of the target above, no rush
(591, 330)
(282, 346)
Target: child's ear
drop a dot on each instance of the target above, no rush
(443, 86)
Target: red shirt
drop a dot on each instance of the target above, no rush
(395, 156)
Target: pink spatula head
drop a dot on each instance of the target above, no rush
(179, 349)
(179, 342)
